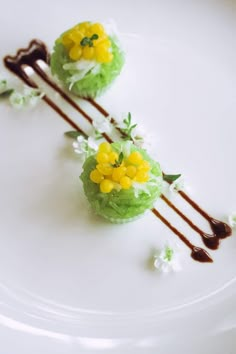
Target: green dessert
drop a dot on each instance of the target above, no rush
(121, 181)
(86, 59)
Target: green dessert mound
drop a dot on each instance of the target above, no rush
(93, 84)
(127, 204)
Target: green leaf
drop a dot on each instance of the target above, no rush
(129, 127)
(170, 178)
(98, 135)
(74, 134)
(85, 41)
(94, 36)
(129, 118)
(6, 93)
(119, 161)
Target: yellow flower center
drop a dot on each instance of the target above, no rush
(116, 171)
(88, 41)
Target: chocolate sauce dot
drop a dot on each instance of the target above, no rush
(200, 255)
(220, 229)
(211, 241)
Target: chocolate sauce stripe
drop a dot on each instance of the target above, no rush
(211, 241)
(15, 65)
(40, 52)
(67, 98)
(220, 229)
(206, 239)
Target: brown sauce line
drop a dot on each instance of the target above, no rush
(198, 254)
(219, 228)
(211, 241)
(15, 64)
(67, 98)
(40, 52)
(19, 71)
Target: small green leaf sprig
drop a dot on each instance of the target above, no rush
(128, 127)
(119, 161)
(171, 178)
(89, 40)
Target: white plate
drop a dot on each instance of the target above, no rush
(69, 282)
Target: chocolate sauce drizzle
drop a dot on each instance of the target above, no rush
(36, 51)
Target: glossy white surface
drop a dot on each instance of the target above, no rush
(69, 282)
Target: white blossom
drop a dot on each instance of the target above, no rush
(92, 144)
(29, 97)
(32, 95)
(166, 260)
(85, 147)
(102, 126)
(17, 100)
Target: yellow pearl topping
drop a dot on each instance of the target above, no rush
(111, 173)
(88, 41)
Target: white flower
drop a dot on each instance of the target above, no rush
(92, 144)
(166, 260)
(232, 219)
(177, 185)
(85, 147)
(79, 145)
(141, 137)
(32, 95)
(29, 97)
(3, 86)
(102, 126)
(17, 100)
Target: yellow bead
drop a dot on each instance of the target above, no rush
(96, 176)
(97, 28)
(103, 55)
(76, 36)
(118, 172)
(102, 157)
(104, 147)
(88, 53)
(83, 27)
(125, 182)
(75, 52)
(141, 176)
(100, 41)
(104, 43)
(66, 41)
(113, 157)
(105, 168)
(106, 186)
(144, 166)
(131, 171)
(135, 158)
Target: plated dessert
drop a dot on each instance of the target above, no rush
(86, 59)
(121, 181)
